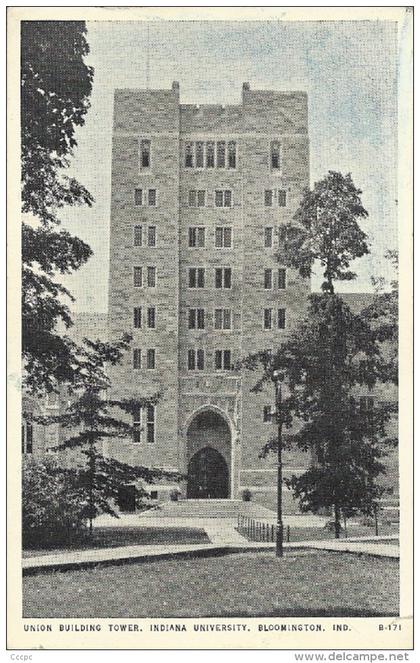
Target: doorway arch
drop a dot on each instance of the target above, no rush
(209, 449)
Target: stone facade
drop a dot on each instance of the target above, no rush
(172, 132)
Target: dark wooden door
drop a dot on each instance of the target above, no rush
(208, 475)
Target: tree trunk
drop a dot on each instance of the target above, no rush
(337, 521)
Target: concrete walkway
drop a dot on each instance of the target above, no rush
(126, 554)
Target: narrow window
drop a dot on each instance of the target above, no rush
(282, 279)
(192, 277)
(227, 365)
(218, 318)
(223, 237)
(151, 277)
(232, 154)
(219, 198)
(200, 277)
(137, 425)
(223, 277)
(189, 155)
(282, 197)
(222, 360)
(137, 358)
(152, 197)
(268, 198)
(227, 318)
(200, 318)
(151, 236)
(196, 277)
(199, 154)
(281, 318)
(210, 154)
(151, 317)
(192, 318)
(151, 358)
(227, 238)
(221, 154)
(201, 234)
(138, 277)
(275, 155)
(192, 198)
(268, 238)
(137, 317)
(268, 279)
(145, 153)
(268, 316)
(191, 360)
(201, 198)
(222, 318)
(138, 197)
(138, 235)
(150, 421)
(267, 414)
(192, 237)
(227, 200)
(200, 360)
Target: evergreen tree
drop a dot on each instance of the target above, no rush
(92, 417)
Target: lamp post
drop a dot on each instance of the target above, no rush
(278, 377)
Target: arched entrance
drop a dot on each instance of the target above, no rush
(209, 446)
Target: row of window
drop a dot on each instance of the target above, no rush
(196, 277)
(195, 359)
(223, 236)
(198, 198)
(210, 154)
(222, 318)
(196, 319)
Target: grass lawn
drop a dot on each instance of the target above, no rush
(245, 584)
(112, 537)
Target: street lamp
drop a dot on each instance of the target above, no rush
(278, 378)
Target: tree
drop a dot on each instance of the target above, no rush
(51, 504)
(327, 359)
(92, 417)
(55, 87)
(382, 315)
(325, 229)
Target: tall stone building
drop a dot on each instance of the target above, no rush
(198, 196)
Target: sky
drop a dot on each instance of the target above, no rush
(348, 68)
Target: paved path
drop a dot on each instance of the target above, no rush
(125, 554)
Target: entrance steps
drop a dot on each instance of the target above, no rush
(208, 508)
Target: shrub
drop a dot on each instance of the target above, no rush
(246, 495)
(52, 505)
(174, 495)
